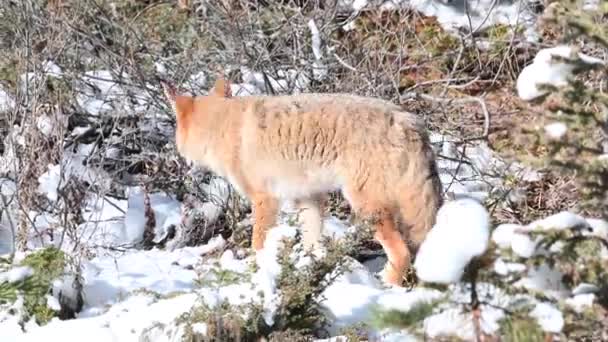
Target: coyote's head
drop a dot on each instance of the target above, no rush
(180, 103)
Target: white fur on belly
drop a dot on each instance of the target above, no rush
(304, 185)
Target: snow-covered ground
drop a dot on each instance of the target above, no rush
(132, 294)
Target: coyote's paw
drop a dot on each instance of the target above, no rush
(391, 275)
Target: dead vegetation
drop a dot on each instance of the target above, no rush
(462, 84)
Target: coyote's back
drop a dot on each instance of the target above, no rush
(300, 147)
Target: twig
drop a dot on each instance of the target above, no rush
(344, 64)
(481, 102)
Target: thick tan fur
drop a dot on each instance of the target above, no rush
(274, 148)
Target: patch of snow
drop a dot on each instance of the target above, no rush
(473, 179)
(355, 308)
(466, 14)
(160, 68)
(504, 268)
(340, 338)
(200, 328)
(591, 5)
(198, 80)
(27, 82)
(132, 319)
(8, 219)
(456, 322)
(73, 164)
(45, 125)
(51, 69)
(16, 274)
(556, 130)
(359, 4)
(269, 268)
(584, 288)
(101, 93)
(10, 320)
(228, 262)
(52, 303)
(503, 234)
(167, 212)
(544, 279)
(319, 70)
(476, 15)
(396, 336)
(6, 101)
(65, 288)
(598, 228)
(49, 182)
(106, 279)
(546, 70)
(560, 221)
(549, 317)
(581, 302)
(258, 80)
(460, 233)
(244, 89)
(523, 245)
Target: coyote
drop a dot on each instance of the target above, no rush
(298, 148)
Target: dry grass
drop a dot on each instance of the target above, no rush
(390, 54)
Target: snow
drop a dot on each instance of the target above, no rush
(73, 164)
(355, 307)
(591, 5)
(200, 328)
(269, 268)
(135, 317)
(244, 89)
(198, 80)
(319, 70)
(8, 190)
(549, 317)
(560, 221)
(455, 322)
(45, 125)
(258, 81)
(454, 15)
(545, 279)
(53, 303)
(503, 234)
(556, 130)
(460, 233)
(585, 288)
(16, 274)
(6, 101)
(581, 302)
(598, 227)
(106, 279)
(546, 70)
(50, 68)
(166, 213)
(504, 268)
(474, 179)
(133, 294)
(517, 237)
(523, 245)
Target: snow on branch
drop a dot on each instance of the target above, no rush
(553, 67)
(460, 234)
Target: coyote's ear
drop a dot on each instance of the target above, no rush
(222, 88)
(170, 92)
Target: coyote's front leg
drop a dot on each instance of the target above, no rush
(265, 210)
